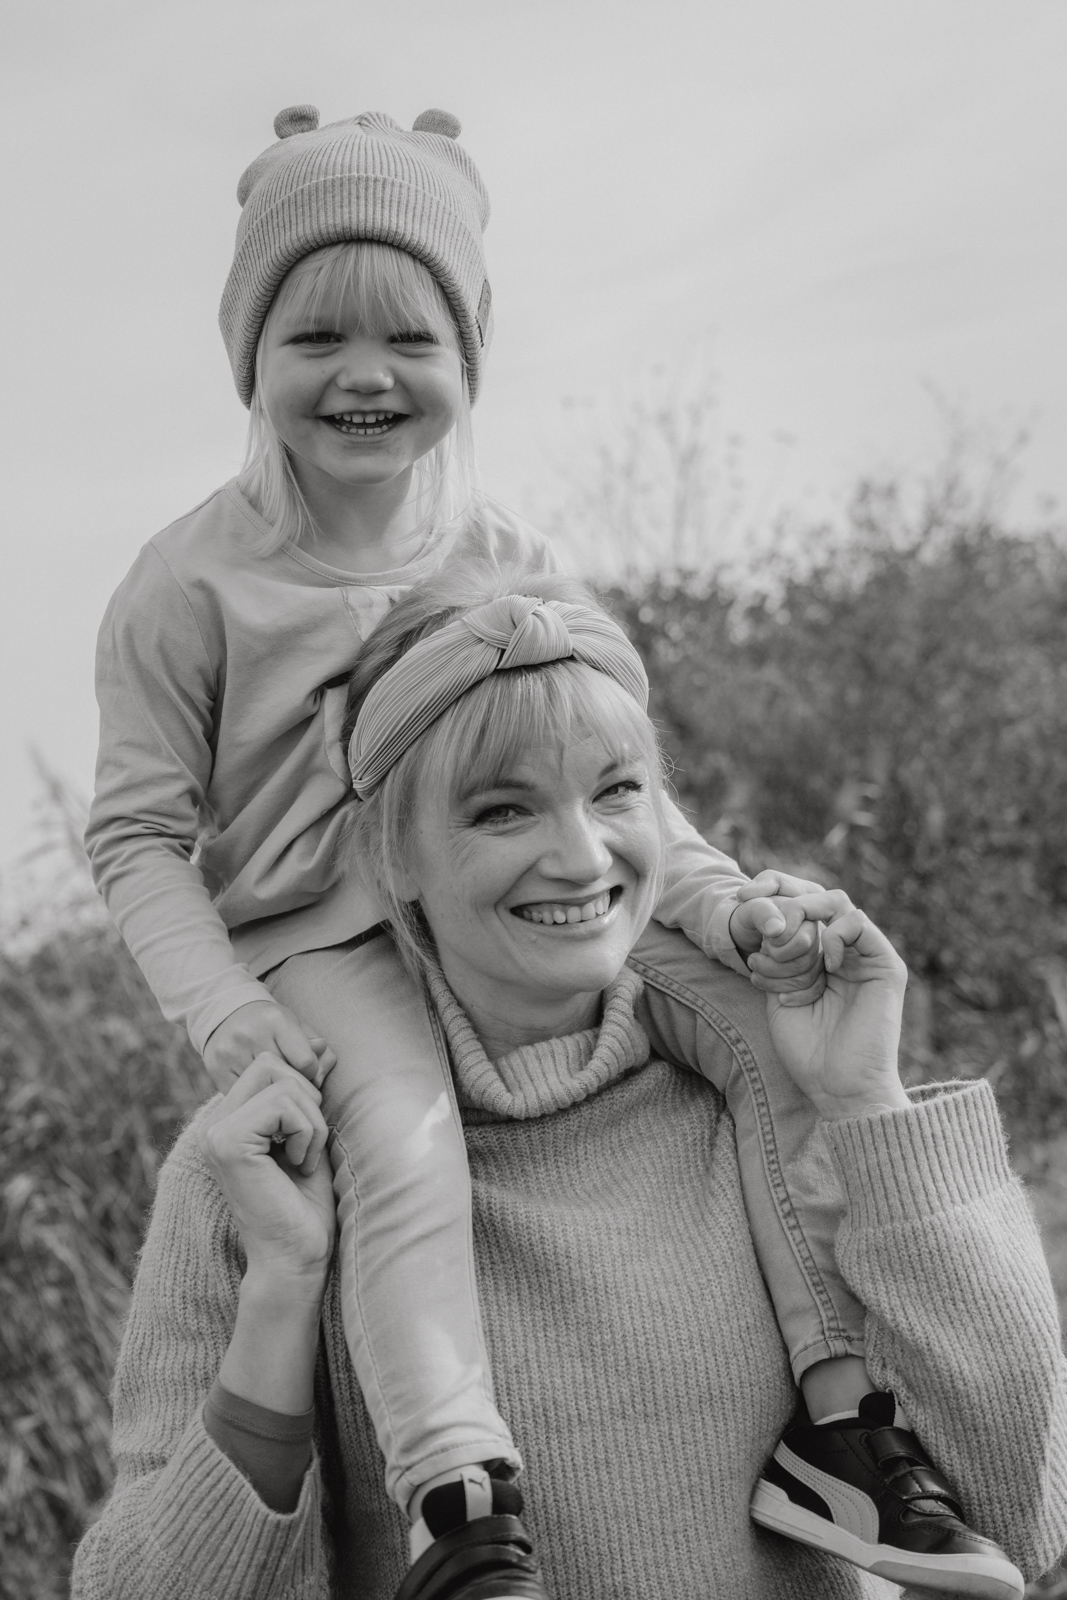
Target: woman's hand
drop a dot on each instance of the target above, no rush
(842, 1050)
(283, 1206)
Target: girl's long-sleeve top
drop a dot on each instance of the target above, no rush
(634, 1346)
(215, 835)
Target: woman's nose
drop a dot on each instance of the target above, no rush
(579, 851)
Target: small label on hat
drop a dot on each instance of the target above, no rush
(483, 309)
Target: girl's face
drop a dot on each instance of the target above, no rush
(536, 890)
(354, 408)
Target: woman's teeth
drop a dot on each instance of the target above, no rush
(551, 913)
(364, 423)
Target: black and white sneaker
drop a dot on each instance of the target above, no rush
(867, 1491)
(479, 1557)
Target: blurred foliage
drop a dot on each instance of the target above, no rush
(887, 711)
(94, 1084)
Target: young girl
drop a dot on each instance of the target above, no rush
(356, 317)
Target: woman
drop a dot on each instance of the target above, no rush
(636, 1350)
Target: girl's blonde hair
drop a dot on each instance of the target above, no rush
(483, 736)
(395, 294)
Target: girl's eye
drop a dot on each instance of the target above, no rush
(413, 336)
(317, 337)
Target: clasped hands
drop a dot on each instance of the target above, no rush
(834, 1003)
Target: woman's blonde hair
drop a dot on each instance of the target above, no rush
(395, 294)
(482, 736)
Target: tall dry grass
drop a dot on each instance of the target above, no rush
(93, 1084)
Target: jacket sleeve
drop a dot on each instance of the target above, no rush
(700, 891)
(156, 686)
(940, 1245)
(182, 1520)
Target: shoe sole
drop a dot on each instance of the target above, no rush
(977, 1576)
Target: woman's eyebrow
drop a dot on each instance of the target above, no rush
(614, 764)
(505, 784)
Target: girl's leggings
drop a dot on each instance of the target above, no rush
(408, 1288)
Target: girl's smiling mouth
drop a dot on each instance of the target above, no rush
(365, 424)
(563, 913)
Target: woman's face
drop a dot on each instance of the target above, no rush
(536, 890)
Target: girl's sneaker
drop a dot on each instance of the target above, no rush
(460, 1556)
(862, 1489)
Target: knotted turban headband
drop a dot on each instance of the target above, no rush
(517, 630)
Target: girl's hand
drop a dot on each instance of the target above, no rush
(842, 1051)
(282, 1204)
(258, 1027)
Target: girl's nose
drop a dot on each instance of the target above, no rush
(365, 372)
(365, 379)
(579, 851)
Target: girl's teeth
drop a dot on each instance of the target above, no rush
(365, 419)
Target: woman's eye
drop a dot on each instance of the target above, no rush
(621, 790)
(496, 816)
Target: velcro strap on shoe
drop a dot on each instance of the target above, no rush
(462, 1561)
(924, 1483)
(908, 1469)
(896, 1444)
(471, 1572)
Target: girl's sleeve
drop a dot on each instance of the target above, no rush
(940, 1245)
(700, 891)
(182, 1520)
(156, 686)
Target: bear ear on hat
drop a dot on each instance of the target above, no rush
(296, 119)
(435, 121)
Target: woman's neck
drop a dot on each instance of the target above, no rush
(505, 1020)
(361, 528)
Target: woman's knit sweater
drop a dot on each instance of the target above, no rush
(634, 1348)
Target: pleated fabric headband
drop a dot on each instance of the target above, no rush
(518, 630)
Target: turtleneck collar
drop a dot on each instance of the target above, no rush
(538, 1079)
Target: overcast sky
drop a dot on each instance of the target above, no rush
(841, 208)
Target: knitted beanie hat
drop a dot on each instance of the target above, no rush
(364, 178)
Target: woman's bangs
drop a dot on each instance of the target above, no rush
(498, 725)
(394, 293)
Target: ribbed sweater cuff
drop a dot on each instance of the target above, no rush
(272, 1448)
(899, 1166)
(213, 1527)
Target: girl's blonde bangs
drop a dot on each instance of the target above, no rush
(393, 292)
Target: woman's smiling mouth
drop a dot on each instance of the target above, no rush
(365, 424)
(560, 913)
